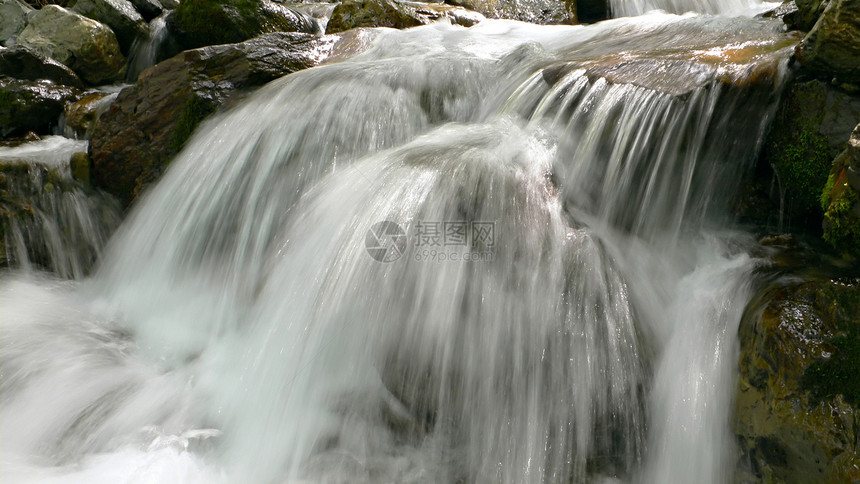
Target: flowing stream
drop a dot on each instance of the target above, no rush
(496, 254)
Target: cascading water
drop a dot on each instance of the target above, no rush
(557, 298)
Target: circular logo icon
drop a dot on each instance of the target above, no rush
(385, 241)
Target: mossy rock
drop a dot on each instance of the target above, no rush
(810, 129)
(198, 23)
(797, 398)
(840, 200)
(31, 105)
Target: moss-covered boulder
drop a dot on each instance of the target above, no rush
(796, 409)
(811, 126)
(832, 47)
(198, 23)
(148, 123)
(120, 15)
(534, 11)
(31, 105)
(88, 47)
(396, 14)
(840, 199)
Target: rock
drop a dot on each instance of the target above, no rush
(832, 47)
(811, 126)
(198, 23)
(119, 15)
(395, 14)
(796, 405)
(13, 19)
(86, 46)
(82, 115)
(24, 63)
(807, 14)
(170, 4)
(80, 167)
(31, 105)
(840, 199)
(787, 11)
(149, 9)
(534, 11)
(149, 122)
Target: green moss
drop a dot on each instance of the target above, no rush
(803, 164)
(193, 112)
(842, 227)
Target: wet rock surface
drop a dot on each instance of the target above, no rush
(31, 105)
(537, 11)
(797, 398)
(198, 23)
(396, 14)
(119, 15)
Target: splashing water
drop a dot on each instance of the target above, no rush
(560, 298)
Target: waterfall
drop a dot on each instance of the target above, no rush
(145, 50)
(501, 253)
(625, 8)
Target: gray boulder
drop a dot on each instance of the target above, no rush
(13, 18)
(86, 46)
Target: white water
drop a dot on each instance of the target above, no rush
(627, 8)
(145, 50)
(239, 330)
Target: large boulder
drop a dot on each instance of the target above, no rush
(198, 23)
(840, 199)
(24, 63)
(119, 15)
(148, 123)
(395, 14)
(534, 11)
(88, 47)
(809, 131)
(832, 47)
(13, 19)
(31, 105)
(797, 399)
